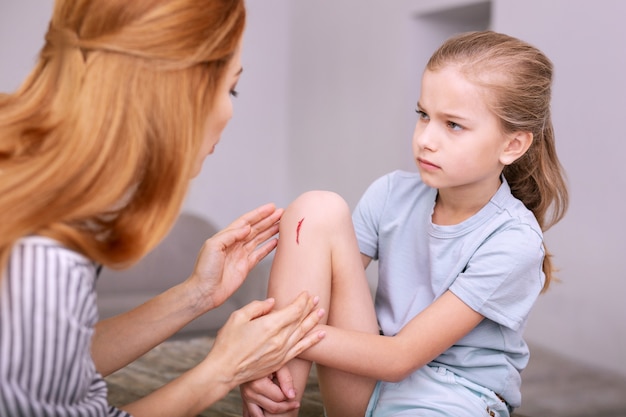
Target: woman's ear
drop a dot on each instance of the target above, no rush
(517, 145)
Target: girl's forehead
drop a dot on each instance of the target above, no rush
(448, 94)
(451, 86)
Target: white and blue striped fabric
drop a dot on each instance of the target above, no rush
(47, 316)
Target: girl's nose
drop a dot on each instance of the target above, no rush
(424, 136)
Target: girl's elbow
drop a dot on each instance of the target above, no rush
(396, 373)
(398, 370)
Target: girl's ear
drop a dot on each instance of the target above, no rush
(517, 145)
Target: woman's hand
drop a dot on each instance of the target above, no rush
(274, 394)
(226, 258)
(256, 341)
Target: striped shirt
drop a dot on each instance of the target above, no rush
(47, 316)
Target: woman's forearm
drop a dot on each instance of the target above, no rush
(119, 340)
(187, 395)
(255, 341)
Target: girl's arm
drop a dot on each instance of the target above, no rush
(424, 338)
(388, 358)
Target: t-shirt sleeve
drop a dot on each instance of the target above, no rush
(47, 315)
(504, 277)
(367, 214)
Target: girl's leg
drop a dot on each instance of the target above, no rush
(318, 252)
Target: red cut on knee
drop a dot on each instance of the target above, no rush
(298, 231)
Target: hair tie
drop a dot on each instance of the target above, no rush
(67, 58)
(61, 40)
(62, 37)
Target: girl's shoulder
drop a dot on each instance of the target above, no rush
(512, 208)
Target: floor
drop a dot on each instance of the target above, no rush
(557, 387)
(552, 386)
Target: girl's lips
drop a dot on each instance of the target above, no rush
(423, 163)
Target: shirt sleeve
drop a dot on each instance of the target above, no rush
(504, 277)
(47, 318)
(367, 214)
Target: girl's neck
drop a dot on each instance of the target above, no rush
(454, 206)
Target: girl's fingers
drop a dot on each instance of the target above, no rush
(285, 382)
(254, 411)
(264, 389)
(264, 394)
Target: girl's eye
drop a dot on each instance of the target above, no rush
(421, 114)
(454, 126)
(234, 93)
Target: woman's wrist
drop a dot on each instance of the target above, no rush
(198, 298)
(220, 372)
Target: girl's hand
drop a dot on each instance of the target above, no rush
(226, 258)
(273, 394)
(256, 341)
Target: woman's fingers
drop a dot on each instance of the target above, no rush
(257, 215)
(256, 341)
(256, 236)
(305, 343)
(227, 237)
(250, 230)
(262, 251)
(253, 310)
(265, 226)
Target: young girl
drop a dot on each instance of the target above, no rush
(460, 250)
(97, 150)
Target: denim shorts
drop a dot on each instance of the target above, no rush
(434, 392)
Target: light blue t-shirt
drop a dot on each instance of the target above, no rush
(492, 261)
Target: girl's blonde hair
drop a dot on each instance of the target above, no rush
(517, 78)
(98, 145)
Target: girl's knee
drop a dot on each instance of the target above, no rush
(320, 204)
(324, 209)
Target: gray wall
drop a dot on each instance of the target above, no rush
(585, 315)
(327, 101)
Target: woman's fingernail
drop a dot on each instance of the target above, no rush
(316, 299)
(321, 312)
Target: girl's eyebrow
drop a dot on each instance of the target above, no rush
(444, 115)
(454, 116)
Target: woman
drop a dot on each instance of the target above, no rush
(97, 149)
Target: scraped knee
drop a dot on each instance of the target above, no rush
(319, 208)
